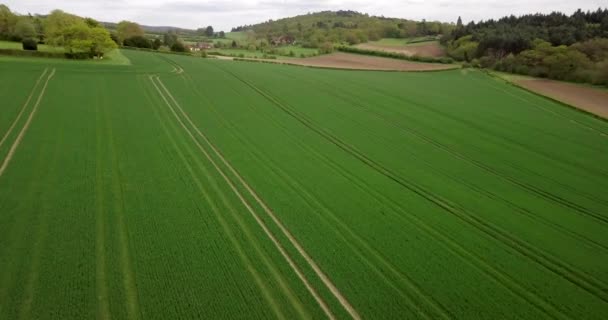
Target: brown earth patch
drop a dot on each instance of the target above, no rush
(342, 60)
(590, 99)
(431, 49)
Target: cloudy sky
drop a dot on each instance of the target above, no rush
(225, 14)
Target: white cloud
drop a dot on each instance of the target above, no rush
(225, 14)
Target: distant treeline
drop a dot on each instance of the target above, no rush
(315, 29)
(554, 45)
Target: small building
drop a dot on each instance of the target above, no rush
(282, 40)
(200, 46)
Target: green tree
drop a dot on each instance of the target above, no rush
(128, 29)
(24, 29)
(7, 22)
(178, 46)
(209, 31)
(57, 24)
(222, 34)
(101, 42)
(156, 44)
(92, 23)
(169, 39)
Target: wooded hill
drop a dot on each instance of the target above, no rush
(314, 29)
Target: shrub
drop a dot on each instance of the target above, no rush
(178, 47)
(24, 53)
(138, 42)
(30, 44)
(78, 55)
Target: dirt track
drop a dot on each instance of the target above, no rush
(361, 62)
(586, 98)
(431, 49)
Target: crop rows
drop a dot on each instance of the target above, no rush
(191, 188)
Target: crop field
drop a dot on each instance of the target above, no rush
(188, 188)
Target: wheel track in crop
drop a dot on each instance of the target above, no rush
(446, 148)
(476, 163)
(583, 280)
(319, 273)
(311, 202)
(525, 186)
(39, 242)
(444, 240)
(21, 134)
(27, 102)
(288, 292)
(18, 229)
(101, 280)
(126, 263)
(221, 220)
(249, 264)
(6, 281)
(324, 278)
(481, 130)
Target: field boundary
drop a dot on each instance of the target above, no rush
(565, 104)
(287, 63)
(17, 142)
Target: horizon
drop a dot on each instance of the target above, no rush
(225, 15)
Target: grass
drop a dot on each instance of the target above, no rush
(416, 194)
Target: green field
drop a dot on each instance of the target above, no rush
(187, 188)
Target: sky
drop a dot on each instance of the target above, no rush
(225, 14)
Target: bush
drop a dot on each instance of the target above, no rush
(79, 55)
(178, 47)
(23, 53)
(138, 42)
(30, 44)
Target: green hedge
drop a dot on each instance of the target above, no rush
(29, 53)
(157, 51)
(394, 55)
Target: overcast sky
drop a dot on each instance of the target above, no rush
(225, 14)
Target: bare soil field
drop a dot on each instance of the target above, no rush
(361, 62)
(590, 99)
(431, 49)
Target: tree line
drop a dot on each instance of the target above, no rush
(85, 37)
(558, 46)
(80, 37)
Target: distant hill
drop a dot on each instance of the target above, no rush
(153, 29)
(347, 26)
